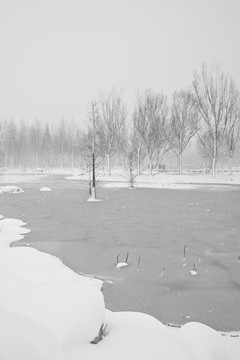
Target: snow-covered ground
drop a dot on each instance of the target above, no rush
(119, 179)
(163, 180)
(48, 312)
(10, 189)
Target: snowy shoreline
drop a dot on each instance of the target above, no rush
(164, 180)
(118, 179)
(41, 298)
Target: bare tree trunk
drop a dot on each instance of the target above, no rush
(61, 158)
(93, 189)
(36, 156)
(231, 163)
(214, 161)
(36, 161)
(150, 166)
(72, 156)
(138, 163)
(6, 159)
(108, 165)
(214, 154)
(180, 163)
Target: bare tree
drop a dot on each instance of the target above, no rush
(150, 121)
(35, 133)
(112, 116)
(164, 148)
(205, 148)
(47, 146)
(130, 148)
(212, 92)
(91, 147)
(61, 139)
(3, 125)
(184, 123)
(72, 140)
(10, 143)
(138, 144)
(233, 127)
(22, 143)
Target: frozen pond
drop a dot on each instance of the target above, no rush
(153, 224)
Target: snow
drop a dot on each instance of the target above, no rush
(57, 306)
(45, 188)
(193, 272)
(48, 312)
(164, 180)
(12, 189)
(93, 200)
(121, 264)
(11, 230)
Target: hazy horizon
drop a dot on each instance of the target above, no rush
(56, 55)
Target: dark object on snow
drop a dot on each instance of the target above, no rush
(102, 333)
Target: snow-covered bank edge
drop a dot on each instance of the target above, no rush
(163, 181)
(49, 312)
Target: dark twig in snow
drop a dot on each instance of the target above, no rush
(194, 270)
(102, 333)
(184, 252)
(122, 264)
(118, 259)
(139, 260)
(163, 270)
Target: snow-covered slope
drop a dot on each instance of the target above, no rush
(48, 312)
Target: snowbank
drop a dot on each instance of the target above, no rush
(11, 230)
(164, 180)
(11, 189)
(48, 312)
(45, 188)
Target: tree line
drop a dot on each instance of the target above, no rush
(37, 145)
(208, 111)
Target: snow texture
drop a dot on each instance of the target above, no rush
(45, 188)
(12, 189)
(48, 312)
(93, 200)
(121, 264)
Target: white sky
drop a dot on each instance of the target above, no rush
(55, 55)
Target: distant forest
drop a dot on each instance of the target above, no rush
(209, 112)
(39, 145)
